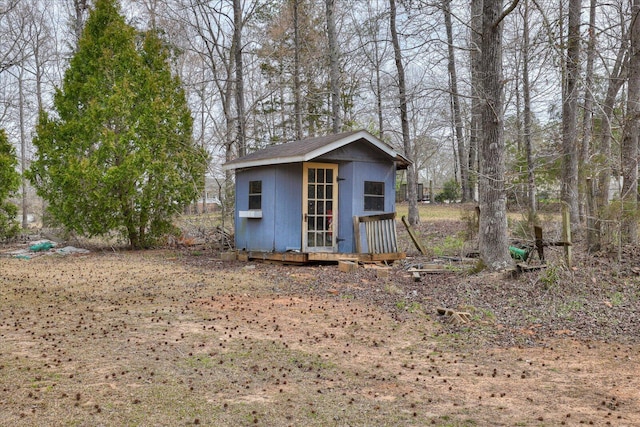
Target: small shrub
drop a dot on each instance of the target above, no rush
(478, 267)
(9, 227)
(617, 298)
(550, 277)
(451, 245)
(450, 192)
(471, 222)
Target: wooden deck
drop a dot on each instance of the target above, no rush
(381, 240)
(310, 257)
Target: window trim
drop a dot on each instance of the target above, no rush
(255, 197)
(373, 199)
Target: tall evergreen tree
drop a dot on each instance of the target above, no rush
(10, 180)
(118, 152)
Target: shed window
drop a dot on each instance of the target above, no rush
(373, 196)
(255, 194)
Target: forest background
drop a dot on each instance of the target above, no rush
(413, 73)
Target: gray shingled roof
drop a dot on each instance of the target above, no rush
(309, 149)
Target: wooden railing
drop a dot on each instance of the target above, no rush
(380, 233)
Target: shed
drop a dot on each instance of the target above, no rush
(318, 199)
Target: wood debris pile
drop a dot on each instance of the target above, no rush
(453, 316)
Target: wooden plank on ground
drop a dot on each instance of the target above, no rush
(430, 266)
(381, 271)
(453, 316)
(285, 257)
(428, 270)
(393, 256)
(305, 257)
(347, 266)
(413, 236)
(335, 257)
(523, 268)
(228, 256)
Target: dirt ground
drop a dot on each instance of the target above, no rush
(169, 338)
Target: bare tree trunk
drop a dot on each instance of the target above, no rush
(414, 214)
(569, 191)
(334, 66)
(629, 149)
(379, 101)
(476, 83)
(151, 6)
(528, 144)
(296, 72)
(81, 9)
(493, 242)
(463, 161)
(587, 118)
(369, 36)
(616, 80)
(239, 80)
(23, 149)
(586, 209)
(201, 93)
(219, 58)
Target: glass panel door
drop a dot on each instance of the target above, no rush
(320, 207)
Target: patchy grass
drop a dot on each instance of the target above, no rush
(143, 338)
(436, 211)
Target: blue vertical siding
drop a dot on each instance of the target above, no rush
(280, 228)
(287, 229)
(345, 207)
(351, 197)
(255, 234)
(373, 172)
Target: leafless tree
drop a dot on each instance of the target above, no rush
(526, 94)
(29, 28)
(9, 51)
(493, 242)
(475, 55)
(334, 66)
(373, 47)
(463, 157)
(412, 185)
(615, 81)
(237, 48)
(81, 9)
(569, 193)
(297, 91)
(629, 149)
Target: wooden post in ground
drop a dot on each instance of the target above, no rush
(356, 234)
(593, 240)
(566, 234)
(414, 237)
(537, 230)
(430, 191)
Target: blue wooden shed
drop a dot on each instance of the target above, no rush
(318, 199)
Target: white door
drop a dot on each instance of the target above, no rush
(320, 207)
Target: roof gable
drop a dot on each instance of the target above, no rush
(309, 149)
